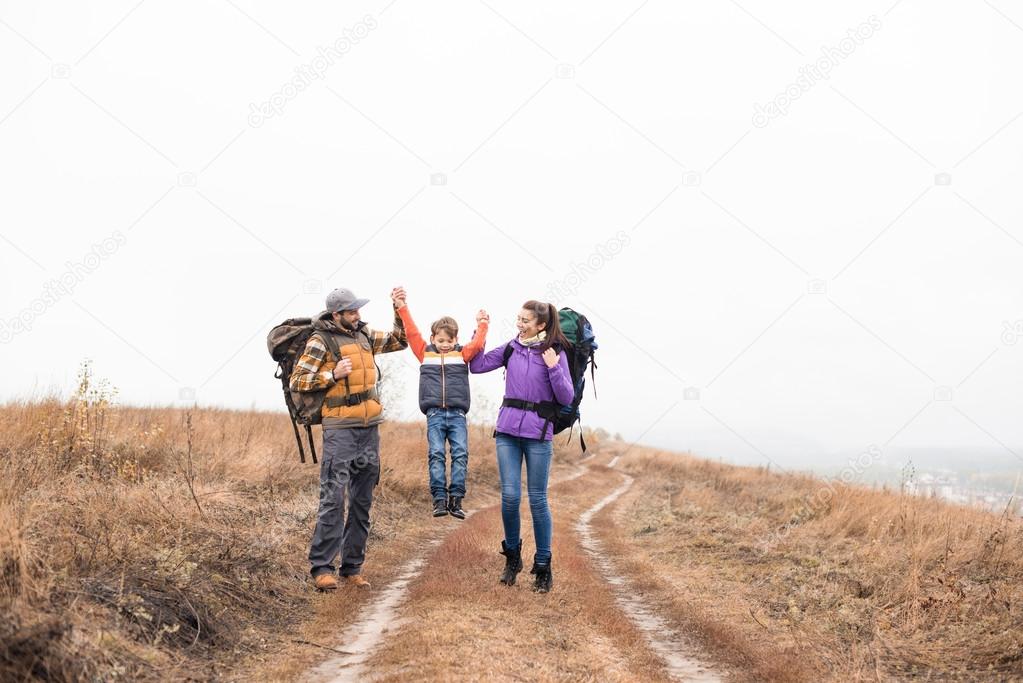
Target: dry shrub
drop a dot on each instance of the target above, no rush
(123, 547)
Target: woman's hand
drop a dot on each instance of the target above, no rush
(550, 356)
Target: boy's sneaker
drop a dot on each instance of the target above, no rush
(455, 507)
(440, 507)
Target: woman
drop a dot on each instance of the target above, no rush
(536, 382)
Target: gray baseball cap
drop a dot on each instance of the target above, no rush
(344, 300)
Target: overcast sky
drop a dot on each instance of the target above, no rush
(795, 226)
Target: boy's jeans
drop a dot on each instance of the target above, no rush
(447, 425)
(511, 451)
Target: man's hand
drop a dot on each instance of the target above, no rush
(482, 317)
(343, 368)
(550, 356)
(398, 297)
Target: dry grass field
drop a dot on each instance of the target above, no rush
(785, 583)
(165, 544)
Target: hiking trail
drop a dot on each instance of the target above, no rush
(385, 623)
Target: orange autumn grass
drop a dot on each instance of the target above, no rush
(869, 585)
(155, 543)
(158, 543)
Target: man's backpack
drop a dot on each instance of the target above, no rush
(286, 343)
(580, 352)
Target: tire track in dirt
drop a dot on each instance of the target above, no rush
(669, 645)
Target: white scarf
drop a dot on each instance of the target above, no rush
(533, 341)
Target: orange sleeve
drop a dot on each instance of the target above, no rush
(415, 340)
(479, 340)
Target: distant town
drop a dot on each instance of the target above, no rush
(955, 488)
(988, 480)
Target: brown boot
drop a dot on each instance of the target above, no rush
(357, 581)
(325, 582)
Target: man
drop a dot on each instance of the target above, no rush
(339, 357)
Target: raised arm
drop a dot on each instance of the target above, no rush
(479, 339)
(395, 340)
(415, 339)
(491, 360)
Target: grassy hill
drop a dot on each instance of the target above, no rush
(160, 543)
(164, 544)
(801, 579)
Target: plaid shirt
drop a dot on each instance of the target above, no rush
(307, 375)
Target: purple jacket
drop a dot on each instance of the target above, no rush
(528, 378)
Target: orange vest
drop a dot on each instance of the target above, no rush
(337, 409)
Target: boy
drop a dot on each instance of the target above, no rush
(444, 398)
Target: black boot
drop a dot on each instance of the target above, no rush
(440, 507)
(544, 577)
(455, 507)
(513, 563)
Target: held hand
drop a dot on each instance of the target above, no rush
(398, 297)
(482, 317)
(550, 356)
(343, 368)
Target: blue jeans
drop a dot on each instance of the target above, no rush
(444, 426)
(511, 450)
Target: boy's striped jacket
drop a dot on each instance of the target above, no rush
(443, 377)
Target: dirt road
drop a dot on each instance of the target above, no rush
(446, 616)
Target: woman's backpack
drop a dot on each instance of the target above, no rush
(580, 352)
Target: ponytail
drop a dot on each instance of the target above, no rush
(547, 313)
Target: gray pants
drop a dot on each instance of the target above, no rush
(350, 468)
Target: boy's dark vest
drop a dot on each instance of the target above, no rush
(443, 380)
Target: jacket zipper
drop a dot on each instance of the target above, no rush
(365, 404)
(443, 385)
(522, 418)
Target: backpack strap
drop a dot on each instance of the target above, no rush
(335, 351)
(545, 409)
(298, 440)
(582, 441)
(351, 399)
(312, 444)
(292, 410)
(593, 378)
(369, 340)
(508, 351)
(331, 343)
